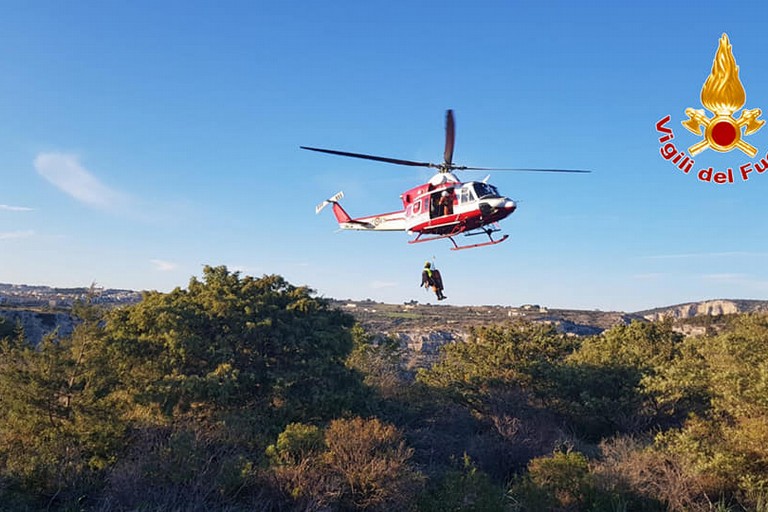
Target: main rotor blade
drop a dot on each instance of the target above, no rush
(372, 157)
(464, 168)
(450, 139)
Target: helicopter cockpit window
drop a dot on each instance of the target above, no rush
(485, 190)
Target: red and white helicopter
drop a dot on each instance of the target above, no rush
(444, 207)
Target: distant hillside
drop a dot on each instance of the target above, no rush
(705, 308)
(423, 328)
(385, 317)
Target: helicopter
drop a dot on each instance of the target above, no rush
(442, 208)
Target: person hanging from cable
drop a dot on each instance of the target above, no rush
(431, 278)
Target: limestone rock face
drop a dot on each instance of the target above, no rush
(37, 324)
(709, 307)
(428, 342)
(420, 347)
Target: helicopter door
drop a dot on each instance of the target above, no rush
(434, 210)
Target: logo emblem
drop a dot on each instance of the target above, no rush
(723, 94)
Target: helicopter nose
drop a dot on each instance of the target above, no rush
(498, 205)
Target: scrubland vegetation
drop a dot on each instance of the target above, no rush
(240, 393)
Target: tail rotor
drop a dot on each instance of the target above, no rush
(335, 199)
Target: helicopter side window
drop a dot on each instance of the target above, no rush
(465, 196)
(416, 207)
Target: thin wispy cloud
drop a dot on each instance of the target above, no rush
(12, 235)
(9, 208)
(726, 277)
(163, 266)
(749, 284)
(650, 276)
(65, 172)
(698, 255)
(377, 285)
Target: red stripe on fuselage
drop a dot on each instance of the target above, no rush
(460, 222)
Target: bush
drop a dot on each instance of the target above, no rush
(294, 444)
(646, 478)
(365, 466)
(560, 482)
(466, 489)
(182, 468)
(373, 462)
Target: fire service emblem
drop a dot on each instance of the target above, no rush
(722, 95)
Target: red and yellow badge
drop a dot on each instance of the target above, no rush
(723, 95)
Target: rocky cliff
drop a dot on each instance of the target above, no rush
(37, 324)
(706, 308)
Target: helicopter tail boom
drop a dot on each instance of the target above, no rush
(385, 222)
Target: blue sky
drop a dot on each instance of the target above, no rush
(142, 140)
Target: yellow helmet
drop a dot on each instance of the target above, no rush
(427, 265)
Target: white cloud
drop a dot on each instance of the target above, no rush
(163, 266)
(10, 235)
(65, 172)
(9, 208)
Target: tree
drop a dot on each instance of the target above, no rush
(725, 439)
(229, 344)
(213, 372)
(60, 426)
(7, 329)
(499, 375)
(496, 357)
(646, 346)
(601, 387)
(380, 361)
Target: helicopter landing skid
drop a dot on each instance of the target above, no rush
(457, 247)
